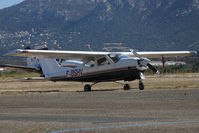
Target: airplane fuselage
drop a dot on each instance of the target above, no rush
(126, 69)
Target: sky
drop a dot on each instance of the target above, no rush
(7, 3)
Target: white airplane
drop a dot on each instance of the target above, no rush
(89, 66)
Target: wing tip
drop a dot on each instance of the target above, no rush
(13, 52)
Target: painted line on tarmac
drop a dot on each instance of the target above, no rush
(123, 126)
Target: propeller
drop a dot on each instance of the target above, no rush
(148, 64)
(136, 54)
(153, 68)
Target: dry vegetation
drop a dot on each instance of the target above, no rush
(169, 81)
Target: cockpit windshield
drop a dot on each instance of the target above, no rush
(117, 57)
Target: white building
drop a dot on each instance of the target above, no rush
(167, 63)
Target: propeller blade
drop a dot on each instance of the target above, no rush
(153, 68)
(136, 54)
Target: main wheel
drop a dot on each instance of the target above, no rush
(141, 86)
(87, 88)
(127, 87)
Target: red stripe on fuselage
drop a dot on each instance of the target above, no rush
(96, 72)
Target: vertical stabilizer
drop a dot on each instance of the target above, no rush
(33, 61)
(49, 66)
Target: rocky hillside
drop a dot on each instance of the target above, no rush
(75, 24)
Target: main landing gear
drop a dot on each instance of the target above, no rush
(126, 87)
(87, 87)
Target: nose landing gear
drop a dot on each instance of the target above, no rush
(141, 85)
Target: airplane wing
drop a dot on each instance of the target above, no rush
(17, 67)
(69, 55)
(88, 55)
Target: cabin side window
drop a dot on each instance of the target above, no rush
(90, 64)
(101, 61)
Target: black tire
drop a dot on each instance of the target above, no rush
(87, 88)
(127, 87)
(141, 86)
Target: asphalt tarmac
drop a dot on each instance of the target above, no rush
(163, 110)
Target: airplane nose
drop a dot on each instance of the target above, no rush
(143, 62)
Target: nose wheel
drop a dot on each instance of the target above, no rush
(141, 85)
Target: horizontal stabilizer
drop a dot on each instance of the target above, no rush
(17, 68)
(34, 79)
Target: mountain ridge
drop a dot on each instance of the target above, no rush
(75, 24)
